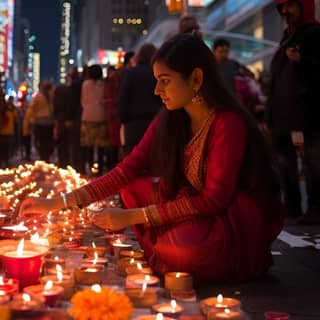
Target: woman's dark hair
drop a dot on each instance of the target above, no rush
(145, 54)
(183, 53)
(95, 72)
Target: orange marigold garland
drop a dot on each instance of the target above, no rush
(105, 305)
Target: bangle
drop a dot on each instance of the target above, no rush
(64, 199)
(146, 219)
(79, 205)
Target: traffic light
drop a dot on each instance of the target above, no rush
(175, 6)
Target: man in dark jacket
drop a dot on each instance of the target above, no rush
(293, 106)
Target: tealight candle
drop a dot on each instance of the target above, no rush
(171, 309)
(125, 262)
(138, 268)
(225, 314)
(9, 286)
(118, 246)
(219, 304)
(99, 250)
(142, 297)
(131, 254)
(65, 281)
(52, 262)
(137, 280)
(4, 298)
(24, 305)
(158, 316)
(178, 281)
(90, 275)
(23, 264)
(49, 293)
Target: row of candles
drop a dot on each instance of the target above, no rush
(23, 267)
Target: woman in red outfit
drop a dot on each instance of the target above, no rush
(215, 210)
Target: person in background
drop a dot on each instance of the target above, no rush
(137, 102)
(189, 24)
(215, 208)
(7, 132)
(112, 84)
(93, 123)
(40, 113)
(229, 67)
(293, 111)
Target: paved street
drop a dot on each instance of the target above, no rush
(292, 284)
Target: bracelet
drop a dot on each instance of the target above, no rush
(79, 205)
(64, 199)
(146, 219)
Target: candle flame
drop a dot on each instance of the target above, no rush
(118, 241)
(2, 293)
(144, 287)
(227, 311)
(147, 278)
(178, 275)
(173, 304)
(20, 248)
(26, 297)
(132, 261)
(1, 281)
(159, 316)
(48, 285)
(132, 253)
(220, 298)
(96, 288)
(56, 258)
(93, 244)
(139, 266)
(59, 272)
(95, 260)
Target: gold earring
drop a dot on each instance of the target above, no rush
(197, 98)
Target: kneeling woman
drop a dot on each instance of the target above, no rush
(215, 208)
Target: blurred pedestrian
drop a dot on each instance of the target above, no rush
(293, 105)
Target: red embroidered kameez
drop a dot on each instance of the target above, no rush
(211, 229)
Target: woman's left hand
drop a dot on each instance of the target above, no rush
(113, 219)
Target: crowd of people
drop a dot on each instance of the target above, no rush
(200, 182)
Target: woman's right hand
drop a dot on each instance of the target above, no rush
(41, 206)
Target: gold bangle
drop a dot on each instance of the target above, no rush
(146, 219)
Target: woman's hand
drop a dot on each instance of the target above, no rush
(117, 218)
(39, 206)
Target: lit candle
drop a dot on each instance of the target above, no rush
(62, 280)
(138, 268)
(178, 281)
(48, 293)
(89, 275)
(9, 286)
(4, 297)
(219, 304)
(158, 316)
(137, 280)
(96, 260)
(24, 265)
(118, 246)
(24, 305)
(110, 238)
(99, 250)
(142, 297)
(225, 314)
(132, 254)
(171, 309)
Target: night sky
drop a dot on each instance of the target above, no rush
(44, 17)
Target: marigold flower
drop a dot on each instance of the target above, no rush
(105, 305)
